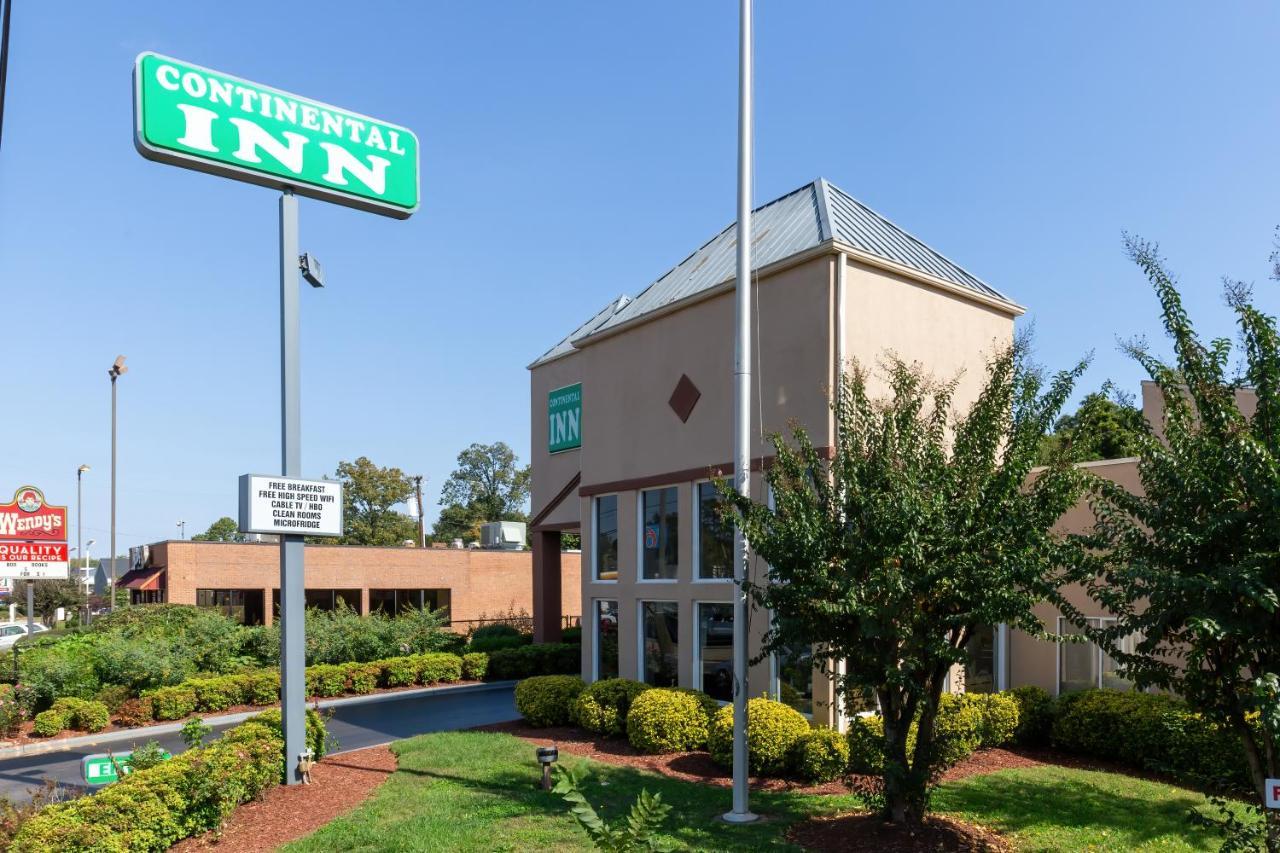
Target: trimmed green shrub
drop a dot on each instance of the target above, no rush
(153, 808)
(49, 723)
(136, 712)
(91, 716)
(262, 687)
(398, 672)
(217, 694)
(999, 713)
(773, 729)
(317, 734)
(439, 668)
(113, 696)
(538, 659)
(546, 700)
(326, 679)
(173, 703)
(1035, 714)
(709, 706)
(1150, 731)
(603, 706)
(362, 677)
(497, 629)
(663, 720)
(499, 642)
(820, 755)
(475, 665)
(571, 635)
(957, 732)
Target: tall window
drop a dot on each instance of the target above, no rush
(659, 533)
(715, 536)
(605, 552)
(795, 677)
(1085, 665)
(606, 640)
(715, 650)
(980, 661)
(660, 624)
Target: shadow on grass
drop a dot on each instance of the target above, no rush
(1129, 812)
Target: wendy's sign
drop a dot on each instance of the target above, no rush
(28, 518)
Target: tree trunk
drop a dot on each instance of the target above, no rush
(905, 787)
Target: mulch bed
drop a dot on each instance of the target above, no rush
(339, 783)
(868, 832)
(698, 766)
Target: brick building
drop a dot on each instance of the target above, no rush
(243, 579)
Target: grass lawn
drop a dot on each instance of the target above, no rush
(1057, 808)
(473, 791)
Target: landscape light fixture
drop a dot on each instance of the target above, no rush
(311, 269)
(547, 756)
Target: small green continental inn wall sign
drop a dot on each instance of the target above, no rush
(200, 119)
(564, 418)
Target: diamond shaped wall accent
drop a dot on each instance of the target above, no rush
(684, 398)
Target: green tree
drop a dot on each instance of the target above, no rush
(1190, 565)
(369, 493)
(488, 485)
(49, 595)
(919, 531)
(1105, 426)
(224, 529)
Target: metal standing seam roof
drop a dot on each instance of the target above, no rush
(566, 345)
(800, 220)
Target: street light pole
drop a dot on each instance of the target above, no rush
(80, 512)
(422, 531)
(741, 812)
(115, 372)
(182, 530)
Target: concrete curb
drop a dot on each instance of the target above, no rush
(224, 720)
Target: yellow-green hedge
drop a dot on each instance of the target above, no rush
(773, 729)
(666, 720)
(545, 700)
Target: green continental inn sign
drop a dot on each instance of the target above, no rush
(200, 119)
(564, 418)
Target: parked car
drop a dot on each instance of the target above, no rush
(12, 632)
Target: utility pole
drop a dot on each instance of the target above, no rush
(741, 812)
(116, 370)
(422, 531)
(4, 57)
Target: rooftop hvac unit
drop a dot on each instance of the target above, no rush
(504, 535)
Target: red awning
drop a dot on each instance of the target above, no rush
(141, 579)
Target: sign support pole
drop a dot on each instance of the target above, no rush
(31, 608)
(293, 679)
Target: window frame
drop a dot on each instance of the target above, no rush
(640, 644)
(595, 636)
(697, 643)
(640, 493)
(1099, 651)
(696, 537)
(595, 537)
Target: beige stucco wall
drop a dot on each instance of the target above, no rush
(951, 337)
(629, 377)
(1033, 661)
(552, 471)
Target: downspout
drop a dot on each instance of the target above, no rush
(842, 710)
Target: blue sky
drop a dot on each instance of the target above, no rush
(572, 151)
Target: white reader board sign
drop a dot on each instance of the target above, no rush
(1273, 793)
(284, 505)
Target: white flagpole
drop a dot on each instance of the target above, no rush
(742, 419)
